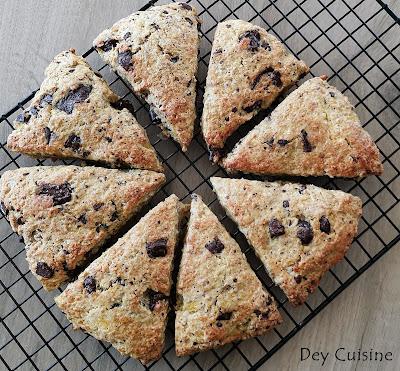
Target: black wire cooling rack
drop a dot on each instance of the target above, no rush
(354, 42)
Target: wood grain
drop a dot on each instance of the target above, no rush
(366, 315)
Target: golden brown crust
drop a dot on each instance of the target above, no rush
(156, 52)
(111, 299)
(248, 69)
(318, 228)
(91, 128)
(219, 297)
(65, 213)
(314, 131)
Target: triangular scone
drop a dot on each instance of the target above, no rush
(65, 213)
(76, 115)
(297, 231)
(122, 297)
(248, 69)
(156, 52)
(219, 297)
(314, 131)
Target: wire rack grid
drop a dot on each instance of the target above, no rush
(348, 40)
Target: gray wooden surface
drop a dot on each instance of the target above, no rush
(366, 315)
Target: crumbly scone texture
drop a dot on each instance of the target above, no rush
(122, 297)
(248, 69)
(297, 231)
(76, 115)
(314, 131)
(156, 52)
(219, 297)
(65, 213)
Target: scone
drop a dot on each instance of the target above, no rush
(297, 231)
(156, 52)
(219, 297)
(122, 297)
(65, 213)
(314, 131)
(76, 115)
(248, 69)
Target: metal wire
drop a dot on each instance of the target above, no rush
(302, 31)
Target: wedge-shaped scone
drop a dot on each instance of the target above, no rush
(219, 297)
(314, 131)
(122, 297)
(76, 115)
(65, 213)
(248, 69)
(297, 231)
(156, 52)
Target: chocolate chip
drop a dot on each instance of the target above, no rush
(123, 103)
(33, 111)
(189, 21)
(254, 39)
(185, 6)
(98, 206)
(332, 94)
(153, 297)
(263, 315)
(114, 216)
(20, 221)
(324, 224)
(125, 59)
(219, 324)
(82, 218)
(266, 46)
(218, 51)
(255, 106)
(23, 117)
(157, 248)
(75, 96)
(274, 76)
(307, 147)
(298, 279)
(100, 227)
(275, 228)
(283, 142)
(215, 246)
(47, 98)
(127, 35)
(60, 193)
(269, 301)
(48, 134)
(153, 117)
(234, 109)
(174, 59)
(304, 232)
(285, 203)
(108, 45)
(224, 316)
(89, 284)
(115, 305)
(4, 210)
(44, 270)
(73, 142)
(302, 188)
(108, 139)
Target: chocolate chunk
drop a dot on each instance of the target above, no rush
(254, 107)
(274, 76)
(89, 284)
(307, 147)
(269, 301)
(125, 59)
(304, 232)
(82, 218)
(23, 117)
(285, 203)
(324, 224)
(270, 142)
(332, 94)
(60, 193)
(157, 249)
(108, 139)
(215, 246)
(46, 99)
(275, 228)
(266, 46)
(153, 117)
(298, 278)
(185, 6)
(33, 111)
(302, 188)
(108, 45)
(48, 134)
(234, 109)
(127, 35)
(224, 316)
(20, 221)
(123, 103)
(115, 305)
(174, 59)
(98, 206)
(283, 142)
(188, 20)
(114, 216)
(254, 39)
(75, 96)
(263, 315)
(44, 270)
(153, 297)
(4, 210)
(73, 142)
